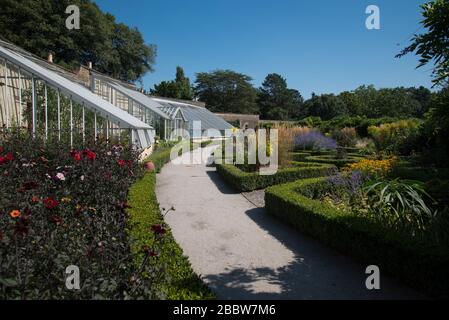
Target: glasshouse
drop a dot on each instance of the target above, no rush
(38, 96)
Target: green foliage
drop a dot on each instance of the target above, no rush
(114, 48)
(345, 137)
(396, 137)
(433, 46)
(249, 181)
(402, 201)
(60, 208)
(326, 106)
(276, 101)
(179, 88)
(333, 159)
(367, 102)
(182, 283)
(435, 130)
(226, 91)
(420, 262)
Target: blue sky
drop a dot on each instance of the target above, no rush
(319, 46)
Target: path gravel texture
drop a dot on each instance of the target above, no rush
(242, 252)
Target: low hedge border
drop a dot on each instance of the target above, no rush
(249, 181)
(420, 265)
(162, 155)
(420, 173)
(329, 159)
(184, 284)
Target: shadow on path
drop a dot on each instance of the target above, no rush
(316, 272)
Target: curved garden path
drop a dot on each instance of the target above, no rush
(241, 252)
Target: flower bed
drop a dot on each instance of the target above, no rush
(419, 262)
(249, 181)
(60, 208)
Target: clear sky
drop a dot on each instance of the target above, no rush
(319, 46)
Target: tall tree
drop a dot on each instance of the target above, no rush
(179, 88)
(433, 46)
(326, 106)
(276, 101)
(39, 27)
(226, 91)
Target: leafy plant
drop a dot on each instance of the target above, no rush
(402, 200)
(346, 137)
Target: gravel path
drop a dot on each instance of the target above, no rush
(244, 253)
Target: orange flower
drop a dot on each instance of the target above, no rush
(35, 199)
(15, 214)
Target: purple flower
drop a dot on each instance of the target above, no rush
(314, 140)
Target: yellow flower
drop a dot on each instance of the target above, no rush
(15, 214)
(92, 209)
(66, 199)
(374, 167)
(78, 207)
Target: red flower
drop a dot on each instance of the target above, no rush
(56, 220)
(50, 203)
(76, 155)
(148, 251)
(9, 157)
(158, 229)
(90, 155)
(21, 227)
(121, 162)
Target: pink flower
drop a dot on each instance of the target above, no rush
(60, 176)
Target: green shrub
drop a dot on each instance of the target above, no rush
(397, 137)
(331, 159)
(245, 181)
(345, 137)
(300, 156)
(421, 264)
(182, 282)
(145, 212)
(419, 173)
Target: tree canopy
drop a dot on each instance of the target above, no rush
(114, 48)
(433, 46)
(276, 101)
(370, 102)
(226, 91)
(179, 88)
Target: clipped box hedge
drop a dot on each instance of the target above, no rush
(249, 181)
(330, 159)
(144, 211)
(419, 264)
